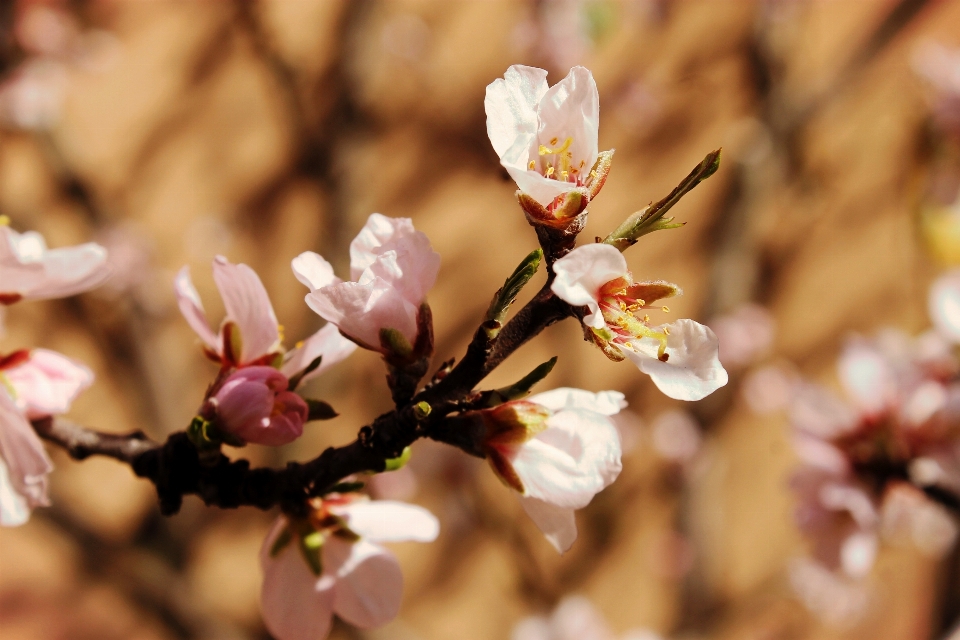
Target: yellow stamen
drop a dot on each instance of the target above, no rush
(4, 221)
(553, 141)
(549, 171)
(532, 165)
(646, 318)
(665, 308)
(666, 330)
(564, 175)
(593, 174)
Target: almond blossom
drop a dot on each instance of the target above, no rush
(557, 450)
(33, 384)
(681, 357)
(255, 405)
(546, 137)
(31, 271)
(249, 334)
(329, 563)
(392, 266)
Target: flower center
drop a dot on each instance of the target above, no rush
(621, 313)
(556, 162)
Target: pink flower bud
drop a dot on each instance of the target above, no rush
(255, 405)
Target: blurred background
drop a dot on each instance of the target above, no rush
(171, 132)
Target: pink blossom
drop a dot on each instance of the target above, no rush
(546, 137)
(944, 305)
(681, 357)
(745, 334)
(393, 268)
(557, 449)
(33, 384)
(254, 405)
(30, 271)
(327, 343)
(356, 579)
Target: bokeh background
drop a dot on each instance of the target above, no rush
(172, 132)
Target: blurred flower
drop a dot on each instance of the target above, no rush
(557, 449)
(769, 388)
(254, 405)
(944, 305)
(940, 66)
(393, 267)
(30, 271)
(680, 357)
(908, 516)
(34, 384)
(676, 436)
(745, 334)
(328, 564)
(546, 138)
(834, 598)
(327, 344)
(574, 618)
(32, 96)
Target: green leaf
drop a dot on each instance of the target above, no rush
(399, 462)
(320, 410)
(510, 290)
(297, 377)
(522, 387)
(311, 546)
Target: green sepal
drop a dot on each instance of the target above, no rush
(508, 293)
(276, 361)
(320, 410)
(297, 377)
(651, 218)
(399, 462)
(346, 534)
(522, 387)
(311, 546)
(395, 343)
(281, 542)
(345, 487)
(421, 410)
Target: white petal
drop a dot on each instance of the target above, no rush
(858, 553)
(48, 382)
(582, 272)
(693, 370)
(819, 412)
(389, 521)
(28, 268)
(296, 604)
(192, 308)
(944, 305)
(511, 107)
(313, 271)
(361, 310)
(248, 305)
(867, 377)
(543, 190)
(13, 508)
(607, 403)
(571, 109)
(369, 585)
(390, 248)
(328, 343)
(22, 452)
(573, 459)
(558, 524)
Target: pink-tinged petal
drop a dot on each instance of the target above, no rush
(938, 469)
(693, 370)
(944, 305)
(744, 334)
(391, 249)
(923, 403)
(389, 521)
(582, 272)
(821, 455)
(254, 405)
(13, 508)
(909, 516)
(867, 377)
(511, 106)
(47, 383)
(248, 305)
(296, 604)
(833, 597)
(543, 190)
(532, 628)
(328, 342)
(817, 411)
(575, 618)
(571, 109)
(558, 524)
(25, 459)
(361, 310)
(607, 403)
(192, 308)
(313, 271)
(29, 269)
(573, 459)
(369, 586)
(858, 553)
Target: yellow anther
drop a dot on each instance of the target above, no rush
(280, 331)
(299, 345)
(646, 318)
(666, 330)
(564, 175)
(553, 141)
(582, 163)
(4, 221)
(532, 165)
(641, 302)
(665, 308)
(549, 171)
(543, 150)
(593, 174)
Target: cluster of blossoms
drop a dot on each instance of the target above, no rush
(556, 450)
(872, 462)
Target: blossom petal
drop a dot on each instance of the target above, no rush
(13, 508)
(693, 370)
(389, 521)
(48, 382)
(361, 310)
(248, 305)
(511, 107)
(390, 248)
(369, 584)
(819, 412)
(24, 457)
(296, 604)
(570, 461)
(582, 272)
(571, 109)
(31, 270)
(313, 271)
(328, 342)
(867, 376)
(558, 524)
(192, 308)
(607, 403)
(944, 305)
